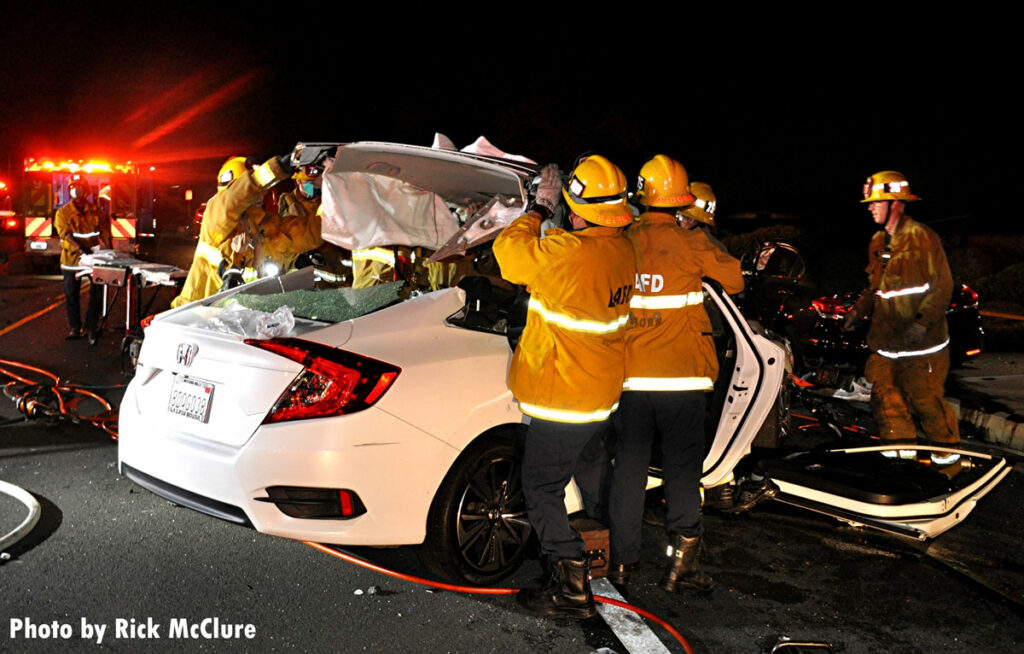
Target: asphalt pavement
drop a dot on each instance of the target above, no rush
(108, 553)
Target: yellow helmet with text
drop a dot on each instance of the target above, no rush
(888, 185)
(232, 169)
(596, 192)
(663, 182)
(703, 207)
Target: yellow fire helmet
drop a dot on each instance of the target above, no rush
(703, 207)
(663, 182)
(888, 185)
(230, 171)
(596, 192)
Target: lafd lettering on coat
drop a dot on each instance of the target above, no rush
(649, 282)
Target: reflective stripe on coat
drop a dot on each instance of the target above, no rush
(668, 341)
(568, 365)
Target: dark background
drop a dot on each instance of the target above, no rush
(784, 114)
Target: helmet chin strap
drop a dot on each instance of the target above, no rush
(889, 220)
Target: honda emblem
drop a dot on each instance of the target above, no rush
(187, 353)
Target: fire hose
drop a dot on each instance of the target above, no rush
(35, 399)
(28, 523)
(491, 591)
(54, 399)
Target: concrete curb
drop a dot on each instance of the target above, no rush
(1001, 428)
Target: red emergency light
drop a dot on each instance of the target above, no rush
(69, 166)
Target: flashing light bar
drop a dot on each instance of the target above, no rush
(69, 166)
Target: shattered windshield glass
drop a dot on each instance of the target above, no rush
(326, 305)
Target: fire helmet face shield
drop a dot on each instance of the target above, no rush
(663, 182)
(596, 192)
(888, 185)
(704, 204)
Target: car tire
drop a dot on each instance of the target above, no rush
(477, 529)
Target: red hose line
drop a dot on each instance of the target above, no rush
(401, 575)
(490, 591)
(104, 420)
(56, 380)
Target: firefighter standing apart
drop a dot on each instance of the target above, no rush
(230, 215)
(909, 290)
(670, 365)
(566, 372)
(80, 229)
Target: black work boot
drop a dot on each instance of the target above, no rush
(751, 493)
(721, 498)
(566, 593)
(682, 571)
(618, 573)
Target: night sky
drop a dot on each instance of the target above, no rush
(781, 118)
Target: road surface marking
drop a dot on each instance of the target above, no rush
(35, 315)
(629, 628)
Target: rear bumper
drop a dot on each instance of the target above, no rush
(393, 467)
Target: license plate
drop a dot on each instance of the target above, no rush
(191, 398)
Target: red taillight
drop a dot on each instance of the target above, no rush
(11, 223)
(144, 323)
(334, 382)
(830, 307)
(968, 298)
(973, 353)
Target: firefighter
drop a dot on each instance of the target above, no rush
(701, 213)
(224, 235)
(371, 266)
(566, 372)
(296, 228)
(909, 289)
(670, 364)
(80, 229)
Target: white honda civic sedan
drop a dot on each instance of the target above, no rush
(382, 419)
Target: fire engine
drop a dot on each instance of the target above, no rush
(119, 189)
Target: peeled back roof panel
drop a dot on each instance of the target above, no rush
(456, 176)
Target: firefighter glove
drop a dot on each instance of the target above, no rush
(287, 162)
(549, 187)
